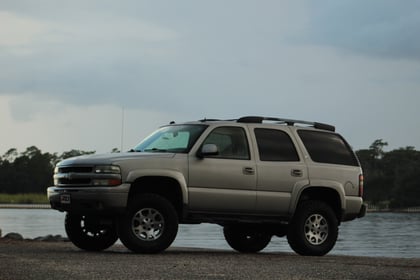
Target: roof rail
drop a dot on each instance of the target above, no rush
(257, 119)
(208, 120)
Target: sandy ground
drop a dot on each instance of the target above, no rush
(61, 260)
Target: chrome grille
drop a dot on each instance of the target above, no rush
(74, 176)
(75, 169)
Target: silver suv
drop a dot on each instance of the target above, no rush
(255, 176)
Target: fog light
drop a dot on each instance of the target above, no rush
(106, 182)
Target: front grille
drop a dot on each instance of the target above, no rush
(66, 181)
(75, 169)
(74, 176)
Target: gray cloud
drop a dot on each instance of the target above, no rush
(384, 28)
(150, 58)
(329, 61)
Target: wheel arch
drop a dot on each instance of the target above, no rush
(166, 186)
(332, 196)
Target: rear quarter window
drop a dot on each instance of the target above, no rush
(275, 145)
(327, 147)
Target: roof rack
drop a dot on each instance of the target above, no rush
(257, 119)
(209, 120)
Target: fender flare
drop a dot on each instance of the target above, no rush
(133, 175)
(325, 184)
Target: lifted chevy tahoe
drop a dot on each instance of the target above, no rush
(255, 176)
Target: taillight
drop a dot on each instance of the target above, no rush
(361, 179)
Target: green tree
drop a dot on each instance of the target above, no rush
(391, 176)
(31, 171)
(403, 167)
(377, 148)
(376, 181)
(10, 155)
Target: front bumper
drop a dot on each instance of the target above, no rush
(89, 199)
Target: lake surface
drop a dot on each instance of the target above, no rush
(378, 234)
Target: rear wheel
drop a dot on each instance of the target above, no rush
(150, 224)
(90, 232)
(246, 239)
(314, 229)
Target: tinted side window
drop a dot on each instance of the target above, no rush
(231, 142)
(275, 145)
(327, 147)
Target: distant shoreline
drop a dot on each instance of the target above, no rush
(47, 206)
(400, 210)
(24, 206)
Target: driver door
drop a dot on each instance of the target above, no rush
(226, 181)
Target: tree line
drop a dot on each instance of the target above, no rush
(30, 171)
(391, 178)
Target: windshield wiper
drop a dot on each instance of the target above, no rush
(156, 150)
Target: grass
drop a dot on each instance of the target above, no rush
(24, 198)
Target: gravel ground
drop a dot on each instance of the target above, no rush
(61, 260)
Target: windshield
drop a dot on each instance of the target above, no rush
(171, 139)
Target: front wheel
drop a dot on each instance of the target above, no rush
(314, 229)
(89, 232)
(246, 239)
(150, 224)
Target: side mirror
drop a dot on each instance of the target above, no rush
(208, 150)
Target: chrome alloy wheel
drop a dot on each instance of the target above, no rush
(148, 224)
(316, 229)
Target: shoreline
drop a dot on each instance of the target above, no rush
(24, 206)
(47, 206)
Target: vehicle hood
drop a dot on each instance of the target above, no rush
(102, 159)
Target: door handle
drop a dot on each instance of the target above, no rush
(248, 171)
(297, 173)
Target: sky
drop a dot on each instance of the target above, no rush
(96, 74)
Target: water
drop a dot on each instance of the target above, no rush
(377, 235)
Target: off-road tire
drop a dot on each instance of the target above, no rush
(246, 239)
(149, 225)
(87, 233)
(314, 229)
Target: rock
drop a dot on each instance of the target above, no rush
(50, 238)
(46, 238)
(13, 236)
(61, 238)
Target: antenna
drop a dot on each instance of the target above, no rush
(122, 128)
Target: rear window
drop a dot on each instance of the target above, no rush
(327, 147)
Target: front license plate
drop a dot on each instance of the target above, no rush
(65, 199)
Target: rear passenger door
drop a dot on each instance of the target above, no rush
(280, 167)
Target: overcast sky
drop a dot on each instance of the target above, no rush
(69, 69)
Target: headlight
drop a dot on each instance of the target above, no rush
(107, 169)
(55, 179)
(111, 175)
